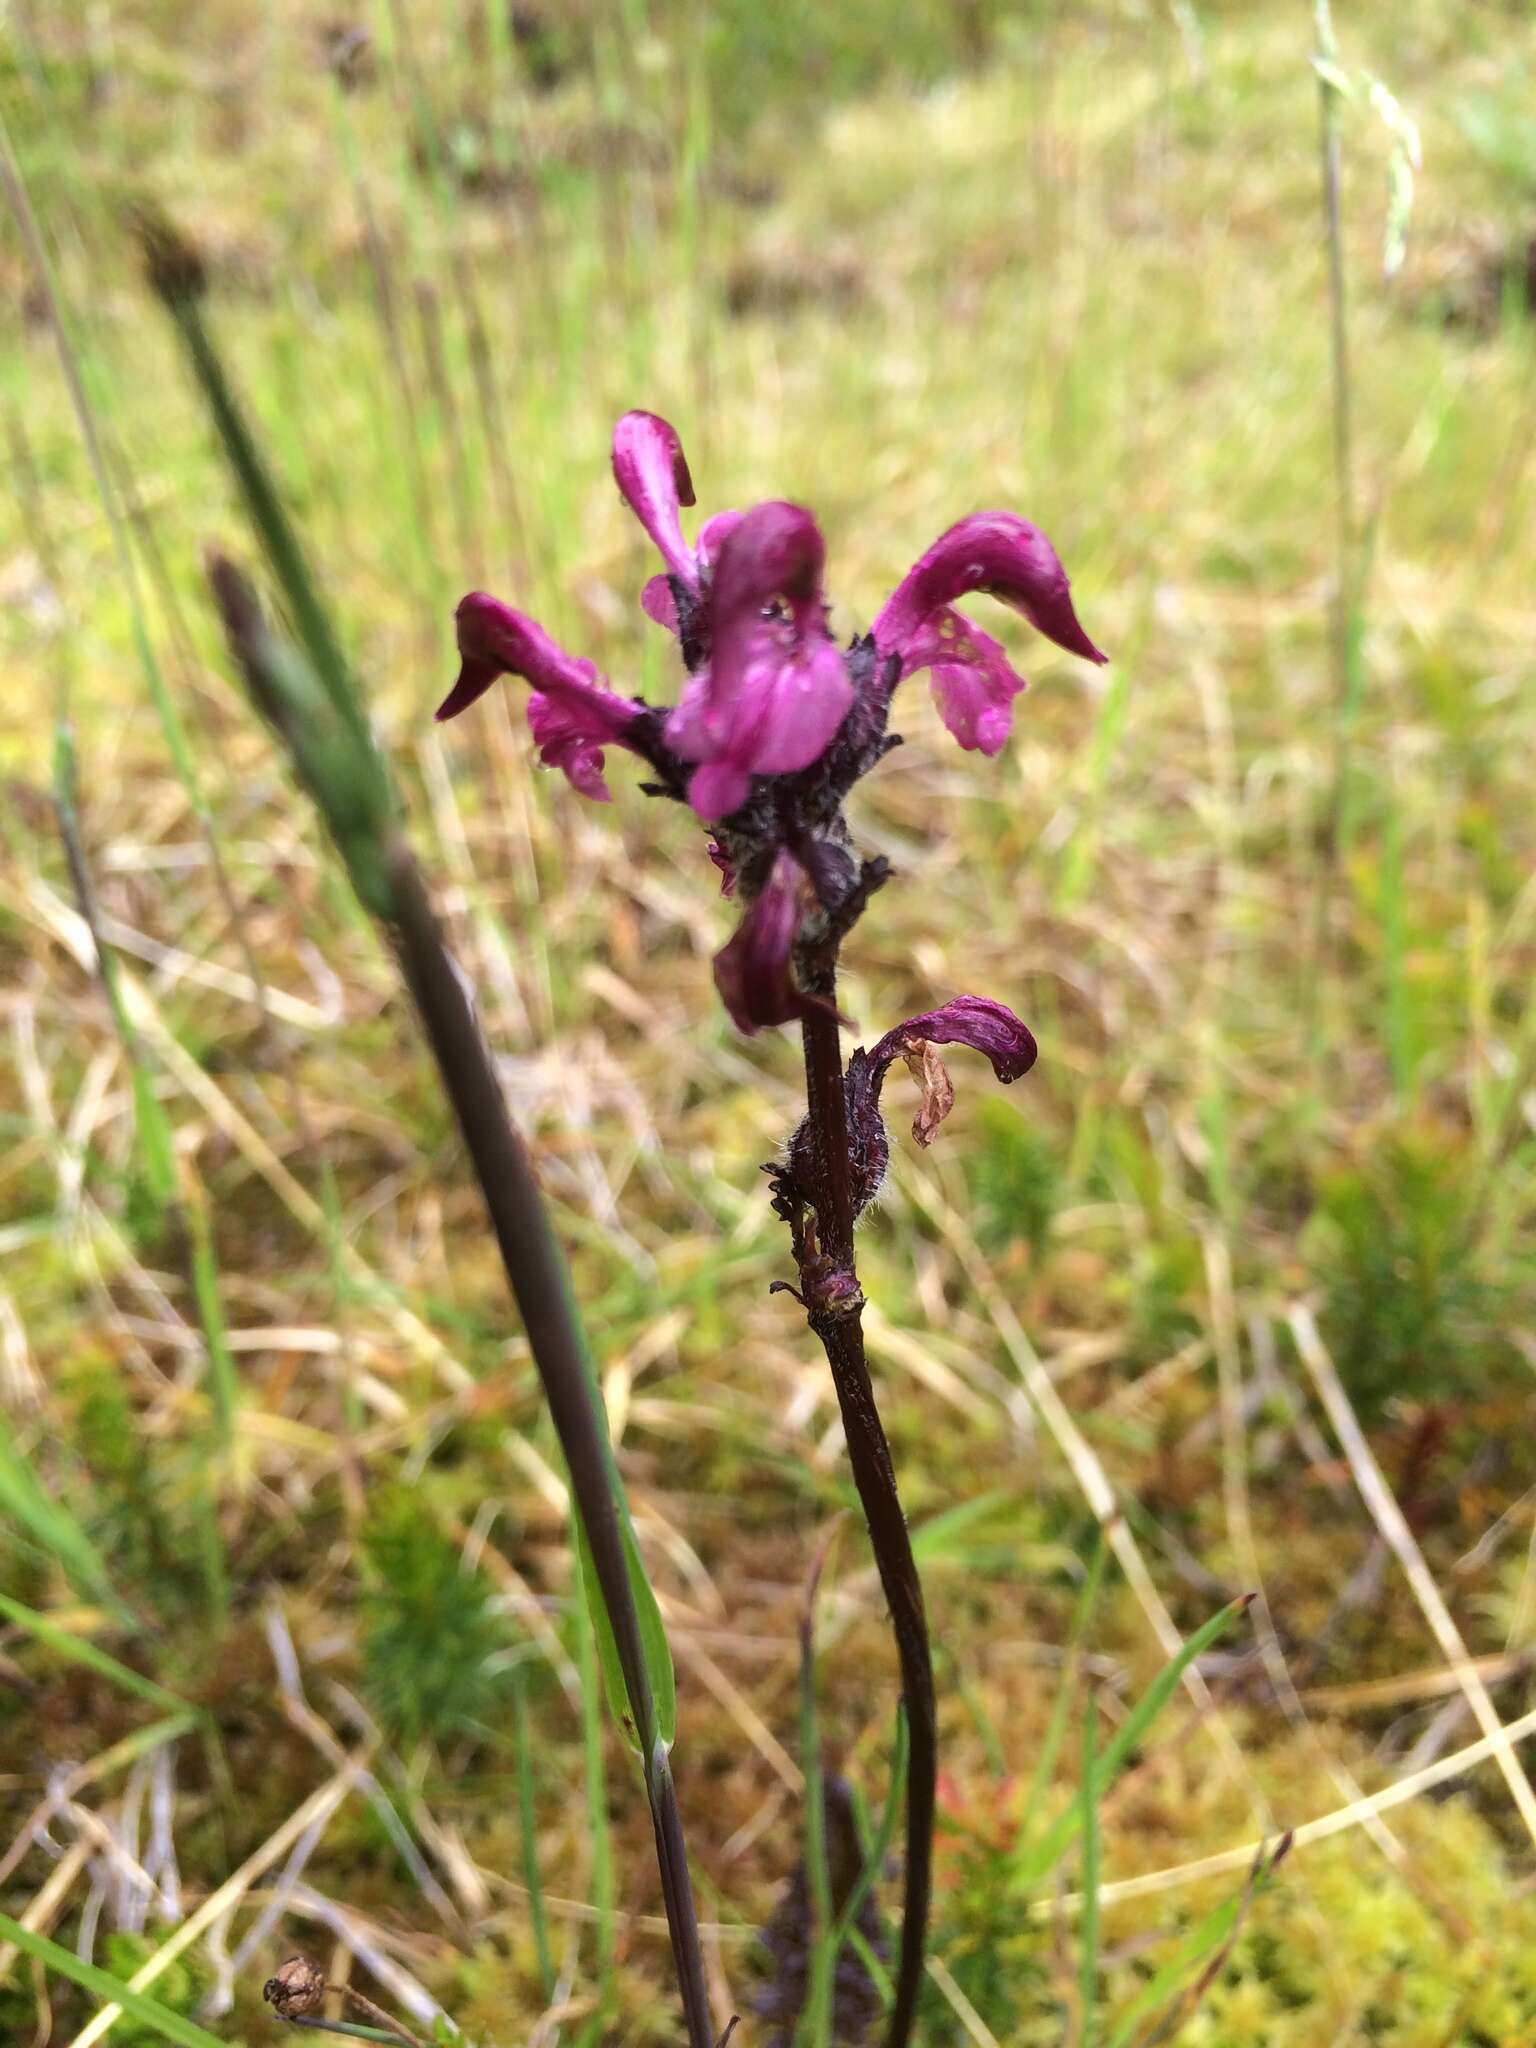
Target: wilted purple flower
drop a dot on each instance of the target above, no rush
(985, 1025)
(776, 689)
(980, 1022)
(973, 680)
(754, 970)
(573, 714)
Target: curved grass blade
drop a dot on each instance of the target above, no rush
(1038, 1863)
(149, 2012)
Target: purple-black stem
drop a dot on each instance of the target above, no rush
(834, 1314)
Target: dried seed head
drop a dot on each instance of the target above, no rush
(297, 1989)
(932, 1076)
(173, 263)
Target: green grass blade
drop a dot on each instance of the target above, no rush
(1171, 1977)
(155, 1149)
(176, 276)
(595, 1782)
(653, 1638)
(50, 1525)
(879, 1848)
(815, 2027)
(528, 1829)
(1056, 1727)
(79, 1651)
(1088, 1925)
(149, 2012)
(1132, 1732)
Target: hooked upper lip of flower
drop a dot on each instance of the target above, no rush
(776, 688)
(973, 680)
(572, 712)
(651, 471)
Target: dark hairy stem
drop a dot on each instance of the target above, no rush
(536, 1270)
(838, 1326)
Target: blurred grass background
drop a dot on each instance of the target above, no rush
(269, 1438)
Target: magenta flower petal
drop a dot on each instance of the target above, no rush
(974, 683)
(713, 534)
(1000, 554)
(776, 689)
(565, 742)
(651, 472)
(573, 713)
(977, 1021)
(658, 603)
(754, 970)
(717, 789)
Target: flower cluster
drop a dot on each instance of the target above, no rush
(775, 722)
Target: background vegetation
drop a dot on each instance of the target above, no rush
(290, 1656)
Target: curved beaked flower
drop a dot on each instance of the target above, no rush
(776, 688)
(572, 712)
(974, 683)
(775, 724)
(651, 471)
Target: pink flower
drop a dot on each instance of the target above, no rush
(973, 680)
(657, 601)
(776, 688)
(572, 713)
(651, 471)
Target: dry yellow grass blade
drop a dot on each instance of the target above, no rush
(1414, 1686)
(1391, 1522)
(172, 963)
(1223, 1315)
(966, 2013)
(1088, 1471)
(1339, 1822)
(145, 1016)
(740, 1709)
(47, 1903)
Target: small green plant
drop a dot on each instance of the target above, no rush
(435, 1650)
(1015, 1180)
(1408, 1306)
